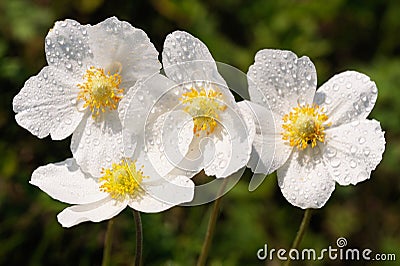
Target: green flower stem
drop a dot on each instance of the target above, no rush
(108, 243)
(300, 232)
(139, 238)
(211, 226)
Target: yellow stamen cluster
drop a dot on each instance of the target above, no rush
(122, 180)
(100, 91)
(304, 125)
(204, 106)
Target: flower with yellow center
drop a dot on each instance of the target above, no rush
(312, 138)
(304, 126)
(204, 106)
(122, 185)
(89, 75)
(100, 91)
(193, 121)
(122, 180)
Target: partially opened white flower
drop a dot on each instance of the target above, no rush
(313, 138)
(90, 71)
(128, 182)
(194, 121)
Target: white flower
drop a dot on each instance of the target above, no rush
(128, 182)
(312, 138)
(90, 71)
(194, 121)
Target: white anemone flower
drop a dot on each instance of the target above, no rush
(312, 138)
(90, 71)
(128, 182)
(194, 121)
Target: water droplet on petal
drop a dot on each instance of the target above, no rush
(96, 142)
(335, 162)
(361, 140)
(222, 163)
(353, 164)
(353, 149)
(330, 152)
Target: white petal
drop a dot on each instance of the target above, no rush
(233, 144)
(97, 144)
(269, 150)
(116, 44)
(167, 140)
(354, 150)
(305, 180)
(282, 80)
(95, 212)
(64, 181)
(346, 97)
(67, 47)
(164, 194)
(47, 104)
(186, 58)
(248, 118)
(224, 151)
(144, 103)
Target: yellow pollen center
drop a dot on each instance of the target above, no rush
(204, 106)
(304, 125)
(122, 180)
(100, 91)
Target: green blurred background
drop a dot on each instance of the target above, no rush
(337, 35)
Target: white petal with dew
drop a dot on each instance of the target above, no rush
(118, 46)
(144, 103)
(281, 80)
(67, 47)
(347, 97)
(269, 150)
(186, 58)
(354, 150)
(164, 194)
(95, 212)
(167, 140)
(305, 180)
(228, 149)
(64, 181)
(47, 104)
(97, 144)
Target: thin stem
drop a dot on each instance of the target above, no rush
(300, 232)
(211, 226)
(108, 243)
(139, 238)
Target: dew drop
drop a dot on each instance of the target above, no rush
(361, 140)
(330, 152)
(68, 121)
(353, 149)
(335, 162)
(222, 163)
(353, 164)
